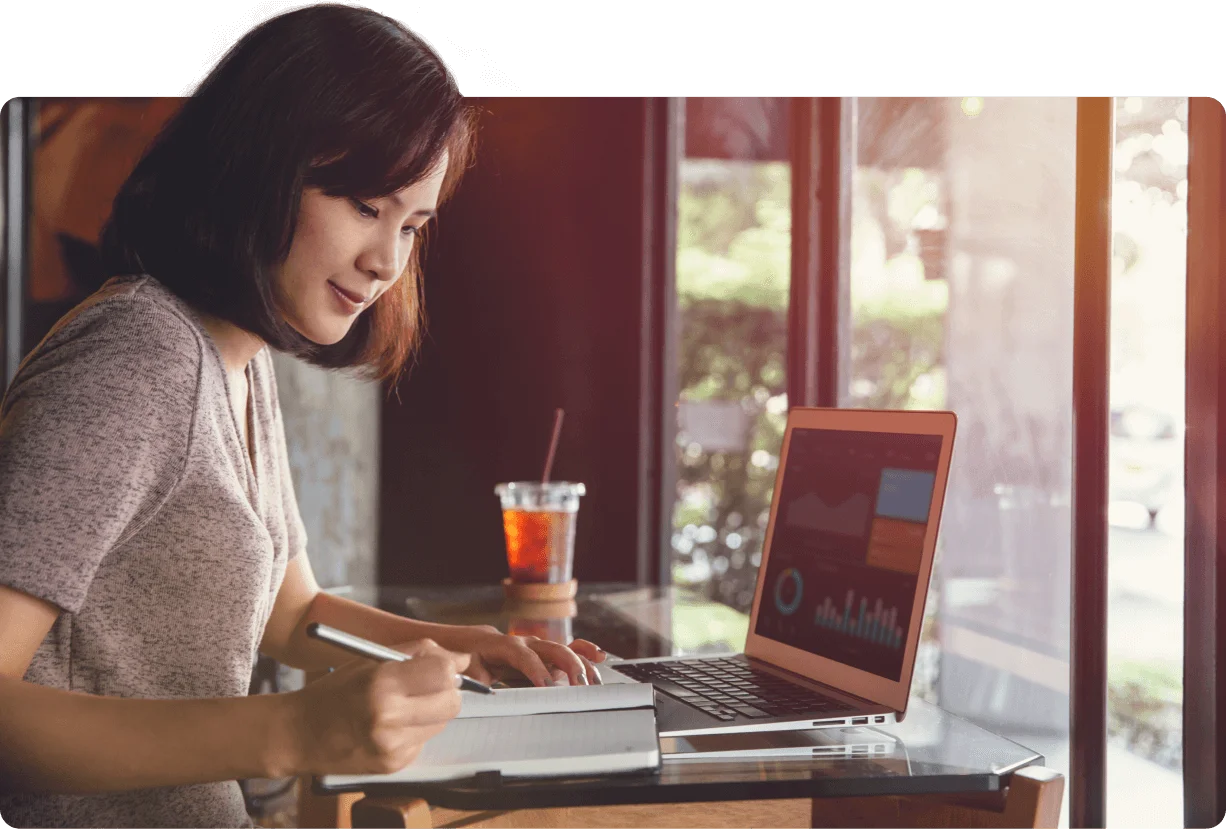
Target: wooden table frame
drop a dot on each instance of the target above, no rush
(1032, 799)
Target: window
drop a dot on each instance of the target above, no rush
(959, 274)
(961, 286)
(1149, 215)
(733, 272)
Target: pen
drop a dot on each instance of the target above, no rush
(373, 650)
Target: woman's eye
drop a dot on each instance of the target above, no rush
(370, 212)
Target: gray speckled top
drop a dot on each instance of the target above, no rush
(128, 500)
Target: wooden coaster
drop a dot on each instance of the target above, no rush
(540, 592)
(532, 611)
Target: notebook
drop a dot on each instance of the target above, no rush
(565, 731)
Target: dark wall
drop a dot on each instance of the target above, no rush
(533, 290)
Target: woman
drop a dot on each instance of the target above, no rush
(150, 542)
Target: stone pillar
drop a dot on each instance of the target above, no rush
(332, 431)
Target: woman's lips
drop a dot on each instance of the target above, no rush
(357, 298)
(351, 302)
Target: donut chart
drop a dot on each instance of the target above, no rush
(789, 587)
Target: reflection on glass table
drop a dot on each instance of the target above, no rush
(857, 741)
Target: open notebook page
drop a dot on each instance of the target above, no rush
(512, 701)
(540, 745)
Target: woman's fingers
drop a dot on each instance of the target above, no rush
(478, 671)
(593, 675)
(424, 647)
(542, 661)
(589, 653)
(563, 658)
(519, 655)
(588, 650)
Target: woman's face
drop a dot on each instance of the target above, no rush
(346, 253)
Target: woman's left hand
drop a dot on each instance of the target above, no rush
(542, 661)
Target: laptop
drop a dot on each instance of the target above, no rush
(841, 584)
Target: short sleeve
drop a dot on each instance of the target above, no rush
(295, 529)
(94, 436)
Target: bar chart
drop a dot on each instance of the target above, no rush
(878, 625)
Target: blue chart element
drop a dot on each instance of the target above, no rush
(789, 575)
(905, 494)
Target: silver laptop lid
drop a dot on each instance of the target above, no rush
(849, 547)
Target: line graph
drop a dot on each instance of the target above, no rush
(847, 517)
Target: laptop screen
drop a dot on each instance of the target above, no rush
(846, 548)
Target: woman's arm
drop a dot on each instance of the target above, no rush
(300, 602)
(369, 717)
(59, 741)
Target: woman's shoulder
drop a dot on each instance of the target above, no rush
(136, 306)
(134, 316)
(130, 332)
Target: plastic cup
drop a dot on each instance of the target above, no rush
(539, 523)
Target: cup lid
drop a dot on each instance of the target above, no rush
(570, 487)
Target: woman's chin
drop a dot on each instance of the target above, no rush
(329, 337)
(322, 334)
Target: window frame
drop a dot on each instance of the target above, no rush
(1204, 657)
(663, 137)
(1091, 433)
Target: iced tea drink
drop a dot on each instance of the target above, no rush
(539, 524)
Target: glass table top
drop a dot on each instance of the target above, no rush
(930, 751)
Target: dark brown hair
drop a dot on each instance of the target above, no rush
(328, 96)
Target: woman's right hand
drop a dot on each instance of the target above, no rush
(373, 717)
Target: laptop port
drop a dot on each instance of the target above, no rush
(860, 721)
(879, 719)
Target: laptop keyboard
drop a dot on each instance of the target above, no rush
(728, 688)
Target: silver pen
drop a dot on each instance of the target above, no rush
(373, 650)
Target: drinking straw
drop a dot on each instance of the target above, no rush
(553, 444)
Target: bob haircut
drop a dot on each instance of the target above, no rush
(332, 97)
